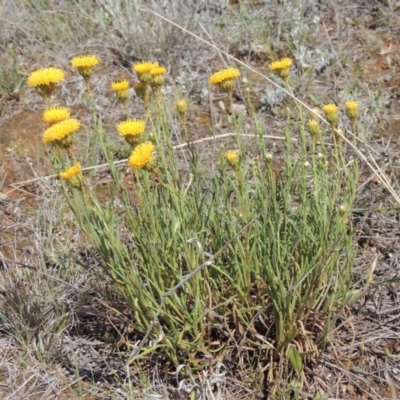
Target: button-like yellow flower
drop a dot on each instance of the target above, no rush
(45, 76)
(281, 67)
(157, 76)
(132, 130)
(224, 75)
(74, 176)
(121, 89)
(86, 61)
(225, 79)
(143, 67)
(56, 114)
(71, 172)
(313, 127)
(232, 156)
(181, 107)
(45, 80)
(85, 64)
(142, 156)
(158, 71)
(331, 113)
(61, 133)
(131, 127)
(143, 70)
(351, 110)
(121, 85)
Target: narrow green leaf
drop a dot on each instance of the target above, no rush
(296, 359)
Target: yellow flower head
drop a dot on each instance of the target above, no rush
(142, 156)
(224, 75)
(232, 157)
(74, 176)
(121, 89)
(45, 80)
(313, 127)
(86, 61)
(181, 107)
(61, 132)
(157, 77)
(331, 113)
(158, 71)
(143, 67)
(330, 109)
(281, 67)
(85, 65)
(143, 70)
(281, 64)
(121, 85)
(45, 76)
(56, 114)
(71, 172)
(351, 110)
(131, 127)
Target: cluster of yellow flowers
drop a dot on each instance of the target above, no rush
(331, 112)
(150, 74)
(62, 126)
(142, 151)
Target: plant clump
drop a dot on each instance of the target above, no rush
(270, 256)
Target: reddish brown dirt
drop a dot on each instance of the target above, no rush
(20, 144)
(23, 132)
